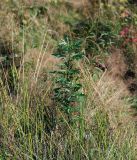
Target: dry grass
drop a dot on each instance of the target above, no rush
(107, 130)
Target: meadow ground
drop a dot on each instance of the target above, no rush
(68, 80)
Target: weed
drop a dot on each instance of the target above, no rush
(67, 94)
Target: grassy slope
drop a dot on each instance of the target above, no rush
(107, 130)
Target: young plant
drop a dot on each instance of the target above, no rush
(67, 92)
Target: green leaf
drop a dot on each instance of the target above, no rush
(77, 56)
(73, 71)
(77, 86)
(58, 55)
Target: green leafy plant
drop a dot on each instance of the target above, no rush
(97, 36)
(67, 94)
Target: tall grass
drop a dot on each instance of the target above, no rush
(31, 124)
(105, 131)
